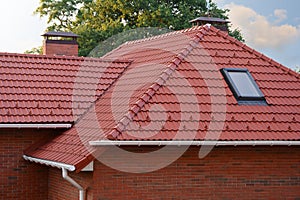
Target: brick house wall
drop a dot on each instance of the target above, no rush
(20, 179)
(226, 173)
(60, 189)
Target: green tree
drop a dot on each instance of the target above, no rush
(236, 33)
(35, 50)
(60, 13)
(96, 20)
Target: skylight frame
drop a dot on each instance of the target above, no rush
(242, 99)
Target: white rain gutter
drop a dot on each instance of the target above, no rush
(193, 143)
(36, 126)
(50, 163)
(74, 183)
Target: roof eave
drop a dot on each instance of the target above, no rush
(50, 163)
(194, 143)
(38, 126)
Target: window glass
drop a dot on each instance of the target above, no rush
(244, 84)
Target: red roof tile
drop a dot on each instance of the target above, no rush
(39, 89)
(174, 83)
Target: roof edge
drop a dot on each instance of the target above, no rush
(256, 53)
(194, 28)
(38, 126)
(193, 143)
(59, 165)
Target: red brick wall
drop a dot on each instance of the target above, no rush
(60, 49)
(226, 173)
(20, 179)
(60, 189)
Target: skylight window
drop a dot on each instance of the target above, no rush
(243, 86)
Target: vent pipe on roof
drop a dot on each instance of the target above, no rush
(60, 43)
(216, 22)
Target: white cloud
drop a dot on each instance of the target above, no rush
(280, 14)
(258, 31)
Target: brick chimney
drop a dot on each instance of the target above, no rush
(60, 43)
(216, 22)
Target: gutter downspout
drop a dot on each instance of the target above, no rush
(74, 183)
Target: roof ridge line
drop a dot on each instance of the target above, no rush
(164, 35)
(256, 53)
(151, 91)
(153, 38)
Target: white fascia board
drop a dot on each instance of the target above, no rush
(49, 126)
(50, 163)
(193, 143)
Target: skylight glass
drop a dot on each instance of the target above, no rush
(243, 86)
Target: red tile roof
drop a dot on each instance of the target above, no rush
(173, 89)
(39, 89)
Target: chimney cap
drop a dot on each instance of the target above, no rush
(60, 34)
(209, 19)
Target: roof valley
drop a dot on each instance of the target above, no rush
(98, 97)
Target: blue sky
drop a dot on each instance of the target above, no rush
(271, 27)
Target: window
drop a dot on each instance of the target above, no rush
(243, 86)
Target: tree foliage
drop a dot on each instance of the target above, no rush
(236, 33)
(35, 50)
(96, 20)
